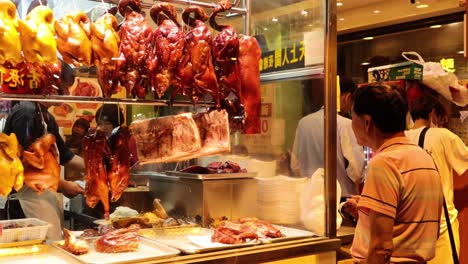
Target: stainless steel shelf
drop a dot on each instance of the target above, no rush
(316, 71)
(85, 99)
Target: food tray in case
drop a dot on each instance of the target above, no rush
(289, 234)
(190, 240)
(213, 176)
(148, 250)
(28, 231)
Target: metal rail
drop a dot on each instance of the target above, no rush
(102, 100)
(241, 11)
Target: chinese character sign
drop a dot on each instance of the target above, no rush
(448, 64)
(287, 58)
(18, 81)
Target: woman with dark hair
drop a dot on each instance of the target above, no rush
(400, 206)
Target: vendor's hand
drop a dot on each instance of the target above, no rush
(70, 189)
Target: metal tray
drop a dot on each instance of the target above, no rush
(147, 250)
(214, 176)
(289, 234)
(180, 238)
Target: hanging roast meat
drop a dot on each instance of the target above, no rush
(165, 49)
(37, 36)
(196, 70)
(249, 59)
(95, 153)
(11, 168)
(41, 166)
(10, 46)
(73, 38)
(134, 37)
(225, 54)
(106, 42)
(119, 172)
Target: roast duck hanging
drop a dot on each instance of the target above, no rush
(41, 164)
(196, 70)
(107, 169)
(165, 48)
(11, 168)
(134, 36)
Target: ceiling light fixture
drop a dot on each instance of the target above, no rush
(365, 63)
(339, 4)
(265, 28)
(274, 19)
(304, 13)
(368, 38)
(436, 26)
(422, 6)
(376, 11)
(461, 52)
(341, 19)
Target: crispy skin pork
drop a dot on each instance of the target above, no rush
(166, 139)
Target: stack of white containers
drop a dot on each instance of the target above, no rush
(278, 199)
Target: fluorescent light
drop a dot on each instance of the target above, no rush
(422, 6)
(365, 63)
(341, 19)
(376, 11)
(274, 19)
(265, 28)
(461, 52)
(304, 13)
(368, 38)
(436, 26)
(339, 4)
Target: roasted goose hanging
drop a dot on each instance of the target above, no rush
(196, 70)
(165, 49)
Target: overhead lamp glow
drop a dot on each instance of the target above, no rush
(265, 28)
(436, 26)
(304, 13)
(341, 19)
(376, 11)
(365, 63)
(339, 4)
(461, 52)
(368, 38)
(422, 6)
(274, 19)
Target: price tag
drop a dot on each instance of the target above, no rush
(3, 200)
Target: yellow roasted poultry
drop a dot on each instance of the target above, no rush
(42, 170)
(11, 168)
(37, 36)
(105, 39)
(73, 38)
(10, 47)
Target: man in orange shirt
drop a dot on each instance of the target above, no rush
(401, 203)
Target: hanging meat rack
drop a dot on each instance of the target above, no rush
(130, 101)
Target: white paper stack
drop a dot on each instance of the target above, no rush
(278, 199)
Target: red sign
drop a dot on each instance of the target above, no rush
(18, 81)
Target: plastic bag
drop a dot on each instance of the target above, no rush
(313, 203)
(436, 78)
